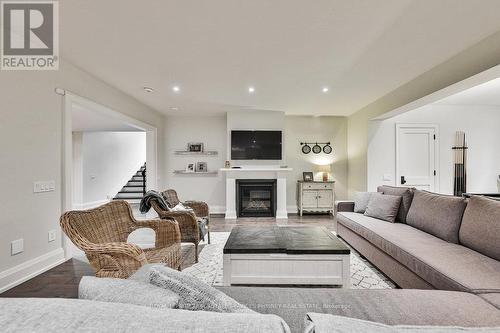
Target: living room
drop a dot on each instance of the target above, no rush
(298, 166)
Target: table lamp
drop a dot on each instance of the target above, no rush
(325, 169)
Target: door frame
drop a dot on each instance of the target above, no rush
(436, 150)
(70, 99)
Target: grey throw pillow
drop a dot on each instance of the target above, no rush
(437, 214)
(406, 194)
(327, 323)
(126, 291)
(383, 207)
(361, 200)
(480, 229)
(194, 294)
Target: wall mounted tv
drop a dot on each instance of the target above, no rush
(256, 145)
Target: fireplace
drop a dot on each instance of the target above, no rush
(256, 197)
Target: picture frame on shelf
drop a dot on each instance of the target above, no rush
(307, 176)
(196, 147)
(201, 167)
(190, 167)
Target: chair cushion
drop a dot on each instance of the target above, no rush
(383, 207)
(361, 200)
(446, 266)
(480, 228)
(327, 323)
(439, 215)
(406, 194)
(75, 315)
(126, 291)
(391, 307)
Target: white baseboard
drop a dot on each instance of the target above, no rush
(217, 209)
(90, 205)
(18, 274)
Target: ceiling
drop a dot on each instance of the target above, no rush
(83, 120)
(287, 49)
(486, 94)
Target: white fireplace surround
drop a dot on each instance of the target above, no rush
(256, 172)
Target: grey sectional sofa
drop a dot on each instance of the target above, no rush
(438, 242)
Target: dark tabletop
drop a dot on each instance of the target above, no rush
(291, 240)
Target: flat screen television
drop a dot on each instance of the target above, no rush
(256, 145)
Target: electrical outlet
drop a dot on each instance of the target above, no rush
(52, 235)
(16, 246)
(44, 186)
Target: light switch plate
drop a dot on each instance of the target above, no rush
(52, 236)
(44, 186)
(16, 246)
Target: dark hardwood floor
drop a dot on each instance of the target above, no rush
(63, 280)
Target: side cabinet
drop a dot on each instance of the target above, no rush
(315, 196)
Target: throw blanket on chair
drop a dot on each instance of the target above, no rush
(145, 205)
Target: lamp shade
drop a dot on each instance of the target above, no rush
(323, 168)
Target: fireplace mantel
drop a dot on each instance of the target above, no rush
(256, 172)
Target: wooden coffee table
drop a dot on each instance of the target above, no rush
(276, 255)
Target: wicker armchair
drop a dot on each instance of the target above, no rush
(188, 222)
(102, 234)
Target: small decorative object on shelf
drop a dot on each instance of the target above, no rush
(190, 167)
(195, 147)
(306, 148)
(325, 170)
(201, 167)
(307, 176)
(227, 164)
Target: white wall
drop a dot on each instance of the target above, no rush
(212, 132)
(109, 161)
(255, 120)
(30, 150)
(481, 125)
(315, 129)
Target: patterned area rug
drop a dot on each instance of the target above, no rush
(209, 267)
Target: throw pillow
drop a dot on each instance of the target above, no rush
(194, 294)
(406, 194)
(126, 291)
(437, 214)
(480, 229)
(383, 207)
(180, 208)
(361, 200)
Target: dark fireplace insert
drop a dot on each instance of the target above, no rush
(256, 197)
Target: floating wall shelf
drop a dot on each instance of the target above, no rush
(183, 172)
(196, 153)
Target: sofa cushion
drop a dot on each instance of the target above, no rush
(439, 215)
(361, 200)
(126, 291)
(444, 265)
(383, 207)
(74, 315)
(391, 307)
(406, 194)
(327, 323)
(493, 298)
(480, 228)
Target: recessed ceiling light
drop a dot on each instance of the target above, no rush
(173, 108)
(176, 89)
(148, 89)
(251, 90)
(325, 89)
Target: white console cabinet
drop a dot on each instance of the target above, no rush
(315, 196)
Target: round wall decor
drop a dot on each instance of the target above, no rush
(316, 149)
(306, 149)
(327, 149)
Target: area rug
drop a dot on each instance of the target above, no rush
(209, 267)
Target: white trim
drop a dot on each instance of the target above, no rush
(18, 274)
(69, 99)
(435, 127)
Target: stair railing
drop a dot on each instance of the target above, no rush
(144, 180)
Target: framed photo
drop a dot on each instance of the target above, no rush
(190, 167)
(201, 167)
(307, 176)
(195, 147)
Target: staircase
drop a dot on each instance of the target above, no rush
(135, 188)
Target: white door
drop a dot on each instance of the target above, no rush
(416, 156)
(310, 199)
(325, 198)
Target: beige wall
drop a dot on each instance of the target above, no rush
(478, 58)
(30, 150)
